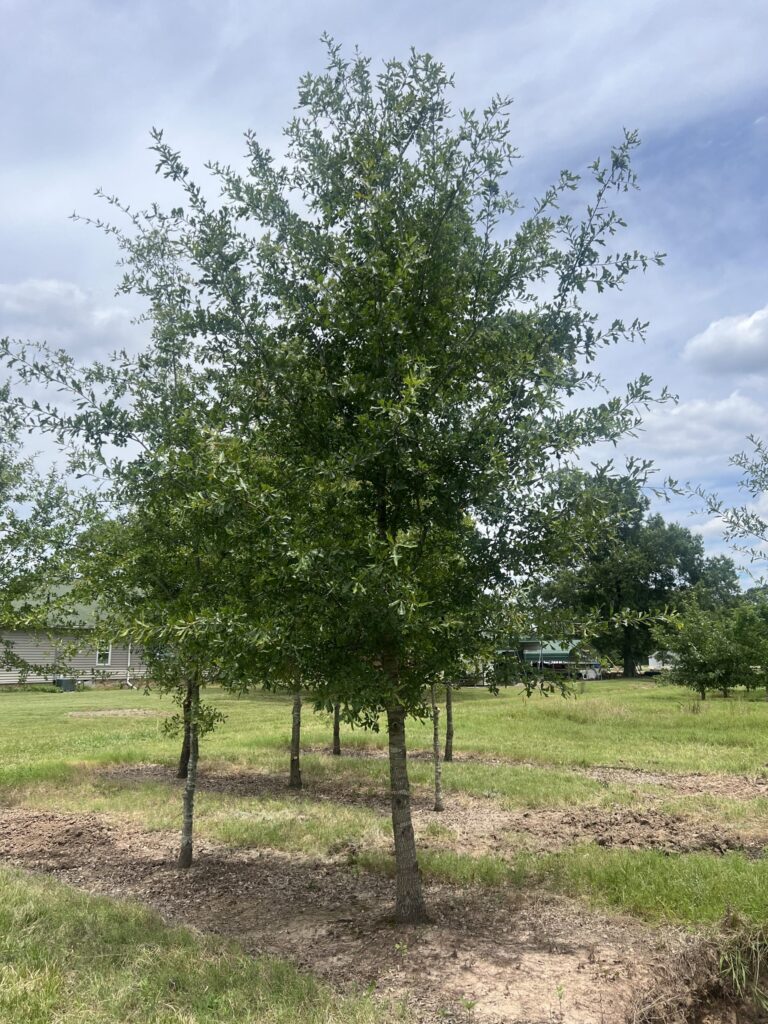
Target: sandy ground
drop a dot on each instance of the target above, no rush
(487, 956)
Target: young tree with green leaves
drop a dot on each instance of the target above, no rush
(717, 648)
(429, 366)
(357, 318)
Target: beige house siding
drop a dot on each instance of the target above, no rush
(125, 662)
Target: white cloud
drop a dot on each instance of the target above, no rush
(695, 439)
(65, 315)
(733, 345)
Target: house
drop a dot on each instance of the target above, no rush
(567, 658)
(67, 648)
(70, 655)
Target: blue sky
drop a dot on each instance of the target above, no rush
(81, 83)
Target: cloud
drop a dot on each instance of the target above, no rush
(695, 439)
(734, 345)
(66, 316)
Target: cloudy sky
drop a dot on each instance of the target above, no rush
(82, 81)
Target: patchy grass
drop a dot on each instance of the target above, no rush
(78, 959)
(51, 760)
(292, 824)
(685, 888)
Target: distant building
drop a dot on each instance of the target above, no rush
(567, 658)
(65, 646)
(71, 655)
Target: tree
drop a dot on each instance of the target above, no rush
(40, 519)
(425, 398)
(355, 319)
(639, 562)
(717, 648)
(154, 566)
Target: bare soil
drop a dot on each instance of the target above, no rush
(494, 957)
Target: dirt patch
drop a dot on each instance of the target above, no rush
(742, 787)
(119, 713)
(516, 957)
(629, 829)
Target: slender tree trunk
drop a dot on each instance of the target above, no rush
(295, 778)
(409, 898)
(439, 806)
(185, 852)
(336, 730)
(448, 722)
(628, 653)
(185, 745)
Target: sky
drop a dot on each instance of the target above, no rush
(83, 81)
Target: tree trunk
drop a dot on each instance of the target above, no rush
(439, 806)
(185, 745)
(448, 722)
(628, 651)
(295, 778)
(185, 852)
(336, 730)
(409, 899)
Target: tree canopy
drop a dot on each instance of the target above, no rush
(365, 363)
(639, 562)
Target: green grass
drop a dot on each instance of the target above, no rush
(690, 888)
(76, 959)
(50, 759)
(635, 724)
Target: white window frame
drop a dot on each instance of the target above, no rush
(101, 650)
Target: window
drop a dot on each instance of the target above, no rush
(104, 656)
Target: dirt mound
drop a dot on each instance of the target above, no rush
(510, 957)
(743, 787)
(624, 828)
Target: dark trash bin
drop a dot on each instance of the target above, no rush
(66, 685)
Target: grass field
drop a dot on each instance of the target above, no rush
(619, 745)
(76, 959)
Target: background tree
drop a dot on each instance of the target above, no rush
(635, 561)
(40, 519)
(717, 648)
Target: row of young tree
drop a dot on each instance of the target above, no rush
(331, 470)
